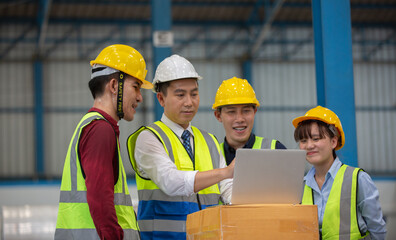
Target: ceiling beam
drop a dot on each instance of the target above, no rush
(266, 28)
(17, 40)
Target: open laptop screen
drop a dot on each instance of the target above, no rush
(268, 176)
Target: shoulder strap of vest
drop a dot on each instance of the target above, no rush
(75, 151)
(213, 145)
(157, 126)
(265, 144)
(131, 142)
(308, 195)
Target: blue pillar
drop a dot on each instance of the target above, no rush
(334, 68)
(161, 16)
(247, 70)
(247, 74)
(39, 116)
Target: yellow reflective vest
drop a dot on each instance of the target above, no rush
(340, 216)
(74, 219)
(161, 216)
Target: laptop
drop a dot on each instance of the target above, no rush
(263, 176)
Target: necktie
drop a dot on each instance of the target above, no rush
(186, 143)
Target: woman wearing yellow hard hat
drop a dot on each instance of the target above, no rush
(235, 107)
(347, 199)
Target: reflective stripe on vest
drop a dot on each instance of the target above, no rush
(340, 216)
(159, 212)
(259, 143)
(74, 219)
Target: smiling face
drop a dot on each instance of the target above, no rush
(132, 97)
(238, 121)
(181, 101)
(319, 146)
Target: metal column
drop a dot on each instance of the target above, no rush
(39, 116)
(161, 16)
(334, 68)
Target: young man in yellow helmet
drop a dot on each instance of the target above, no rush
(235, 107)
(94, 199)
(178, 166)
(347, 198)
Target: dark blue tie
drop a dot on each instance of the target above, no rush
(186, 143)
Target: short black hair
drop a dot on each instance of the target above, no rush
(163, 86)
(97, 84)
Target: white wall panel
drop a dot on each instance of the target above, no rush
(213, 73)
(17, 155)
(205, 120)
(16, 89)
(284, 84)
(375, 87)
(17, 147)
(59, 128)
(66, 85)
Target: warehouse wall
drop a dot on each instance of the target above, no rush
(283, 78)
(285, 90)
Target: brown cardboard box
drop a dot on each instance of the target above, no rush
(254, 221)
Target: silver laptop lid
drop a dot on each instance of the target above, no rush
(268, 176)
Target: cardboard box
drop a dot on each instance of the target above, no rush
(254, 221)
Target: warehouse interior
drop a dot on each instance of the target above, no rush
(296, 54)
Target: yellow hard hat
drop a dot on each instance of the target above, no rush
(126, 59)
(325, 115)
(235, 91)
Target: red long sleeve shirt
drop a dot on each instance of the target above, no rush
(99, 160)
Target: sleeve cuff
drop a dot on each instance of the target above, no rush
(189, 179)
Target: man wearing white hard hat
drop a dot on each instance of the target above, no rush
(179, 168)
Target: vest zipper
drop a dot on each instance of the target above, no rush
(199, 202)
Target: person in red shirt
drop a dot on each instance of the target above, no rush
(94, 199)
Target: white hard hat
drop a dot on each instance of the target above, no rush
(173, 68)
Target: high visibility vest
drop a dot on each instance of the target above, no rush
(161, 216)
(259, 143)
(74, 219)
(340, 216)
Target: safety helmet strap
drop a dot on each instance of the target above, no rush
(120, 95)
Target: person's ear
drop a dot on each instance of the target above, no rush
(334, 142)
(217, 114)
(113, 85)
(161, 98)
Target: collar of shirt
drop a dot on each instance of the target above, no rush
(229, 151)
(176, 128)
(111, 120)
(310, 177)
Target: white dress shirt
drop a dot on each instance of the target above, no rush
(154, 163)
